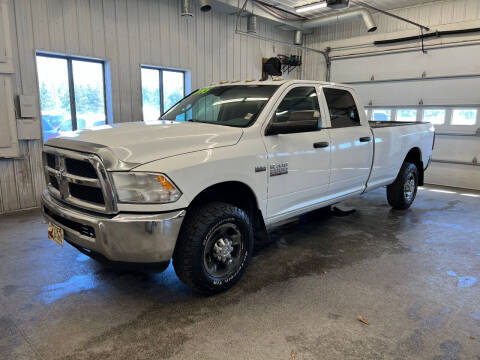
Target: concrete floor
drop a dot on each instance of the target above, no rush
(411, 274)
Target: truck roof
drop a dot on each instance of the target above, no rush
(270, 82)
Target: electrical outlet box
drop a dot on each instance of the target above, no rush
(27, 106)
(28, 129)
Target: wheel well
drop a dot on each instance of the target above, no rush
(235, 193)
(414, 156)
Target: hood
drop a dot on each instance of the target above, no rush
(140, 142)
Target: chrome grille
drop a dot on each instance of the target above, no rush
(78, 179)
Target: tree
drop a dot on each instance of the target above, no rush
(64, 98)
(47, 99)
(89, 99)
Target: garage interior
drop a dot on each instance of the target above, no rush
(370, 284)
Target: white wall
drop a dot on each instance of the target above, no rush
(127, 33)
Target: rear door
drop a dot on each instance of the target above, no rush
(298, 163)
(351, 140)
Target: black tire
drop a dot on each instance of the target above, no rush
(401, 193)
(195, 258)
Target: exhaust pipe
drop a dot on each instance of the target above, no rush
(343, 17)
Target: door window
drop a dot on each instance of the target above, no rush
(342, 108)
(298, 100)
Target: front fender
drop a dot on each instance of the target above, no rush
(194, 172)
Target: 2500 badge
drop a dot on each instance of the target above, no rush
(278, 169)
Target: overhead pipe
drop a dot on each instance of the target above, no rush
(325, 54)
(298, 40)
(205, 5)
(435, 34)
(364, 4)
(186, 8)
(252, 24)
(343, 17)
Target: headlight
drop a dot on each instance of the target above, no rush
(137, 187)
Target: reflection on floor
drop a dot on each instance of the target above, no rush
(412, 275)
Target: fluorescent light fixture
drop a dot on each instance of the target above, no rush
(310, 7)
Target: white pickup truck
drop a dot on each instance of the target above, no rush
(219, 169)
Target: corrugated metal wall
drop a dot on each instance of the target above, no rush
(128, 33)
(429, 14)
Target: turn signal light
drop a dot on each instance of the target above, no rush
(167, 185)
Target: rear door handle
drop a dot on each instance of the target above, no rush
(319, 145)
(365, 139)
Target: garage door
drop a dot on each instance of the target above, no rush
(442, 86)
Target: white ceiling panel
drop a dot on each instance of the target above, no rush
(290, 5)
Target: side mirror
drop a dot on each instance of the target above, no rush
(291, 127)
(300, 121)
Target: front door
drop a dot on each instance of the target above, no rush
(298, 163)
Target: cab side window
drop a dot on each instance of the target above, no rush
(342, 108)
(299, 102)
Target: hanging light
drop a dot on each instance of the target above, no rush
(311, 7)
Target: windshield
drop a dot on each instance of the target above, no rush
(237, 105)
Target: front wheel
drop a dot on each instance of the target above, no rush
(214, 247)
(402, 192)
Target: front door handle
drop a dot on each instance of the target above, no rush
(319, 145)
(365, 139)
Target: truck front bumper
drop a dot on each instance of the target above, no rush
(138, 238)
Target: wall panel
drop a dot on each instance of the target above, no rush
(430, 14)
(127, 34)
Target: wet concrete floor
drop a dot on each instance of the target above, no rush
(412, 275)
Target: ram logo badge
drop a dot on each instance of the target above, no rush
(278, 169)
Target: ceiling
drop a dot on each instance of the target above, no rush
(381, 4)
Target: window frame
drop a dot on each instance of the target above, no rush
(445, 127)
(160, 70)
(412, 108)
(71, 83)
(371, 110)
(445, 109)
(463, 108)
(280, 99)
(327, 108)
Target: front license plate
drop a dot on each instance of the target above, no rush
(55, 233)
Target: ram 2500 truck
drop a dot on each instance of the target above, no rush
(219, 169)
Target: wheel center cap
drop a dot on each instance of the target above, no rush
(222, 250)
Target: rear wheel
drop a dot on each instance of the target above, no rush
(214, 247)
(402, 192)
